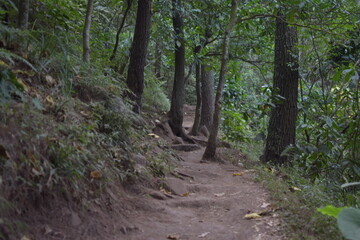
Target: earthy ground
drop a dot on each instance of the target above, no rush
(206, 201)
(212, 204)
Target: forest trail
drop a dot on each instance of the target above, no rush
(211, 202)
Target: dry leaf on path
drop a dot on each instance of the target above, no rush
(185, 194)
(219, 194)
(252, 216)
(164, 191)
(153, 135)
(293, 189)
(95, 174)
(173, 236)
(265, 205)
(50, 100)
(203, 234)
(238, 174)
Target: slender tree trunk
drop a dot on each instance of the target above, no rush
(176, 113)
(158, 55)
(23, 16)
(195, 127)
(135, 76)
(86, 31)
(210, 150)
(282, 124)
(207, 96)
(129, 3)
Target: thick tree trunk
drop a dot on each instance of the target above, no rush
(135, 76)
(195, 128)
(176, 113)
(207, 96)
(23, 16)
(86, 31)
(282, 124)
(210, 150)
(129, 3)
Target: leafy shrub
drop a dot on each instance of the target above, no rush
(154, 97)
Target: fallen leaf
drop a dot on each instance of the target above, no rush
(50, 80)
(265, 205)
(185, 194)
(153, 135)
(203, 234)
(50, 100)
(219, 194)
(238, 174)
(95, 174)
(25, 238)
(157, 121)
(252, 216)
(83, 113)
(164, 191)
(173, 236)
(293, 189)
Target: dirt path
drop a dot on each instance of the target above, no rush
(213, 206)
(207, 201)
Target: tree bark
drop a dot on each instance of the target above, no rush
(282, 123)
(207, 96)
(135, 76)
(210, 150)
(86, 31)
(176, 113)
(129, 3)
(195, 128)
(23, 16)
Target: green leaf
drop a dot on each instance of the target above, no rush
(328, 121)
(330, 210)
(349, 223)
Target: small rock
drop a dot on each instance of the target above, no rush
(75, 219)
(175, 186)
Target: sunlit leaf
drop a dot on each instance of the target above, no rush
(330, 210)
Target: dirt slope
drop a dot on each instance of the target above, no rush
(206, 201)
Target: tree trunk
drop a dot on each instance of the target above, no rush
(207, 96)
(195, 128)
(282, 124)
(158, 55)
(176, 113)
(135, 76)
(129, 3)
(210, 150)
(86, 31)
(23, 16)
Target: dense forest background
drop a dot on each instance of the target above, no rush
(278, 79)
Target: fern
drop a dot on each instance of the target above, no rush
(9, 56)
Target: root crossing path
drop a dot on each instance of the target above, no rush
(208, 201)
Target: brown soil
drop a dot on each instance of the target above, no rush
(206, 201)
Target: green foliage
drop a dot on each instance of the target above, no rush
(330, 211)
(154, 98)
(349, 223)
